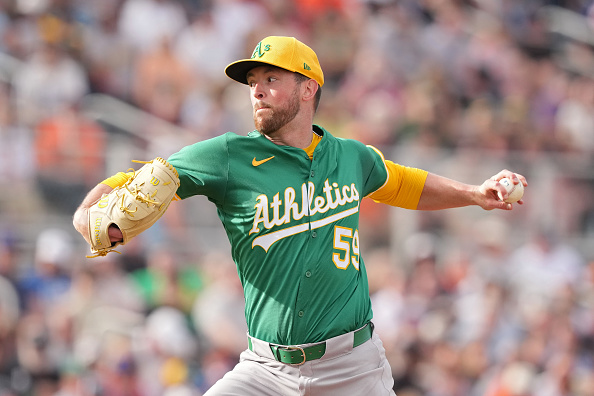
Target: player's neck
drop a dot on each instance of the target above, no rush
(293, 134)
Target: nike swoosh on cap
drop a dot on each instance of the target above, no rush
(255, 162)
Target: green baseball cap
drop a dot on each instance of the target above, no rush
(285, 52)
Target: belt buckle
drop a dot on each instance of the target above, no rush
(298, 348)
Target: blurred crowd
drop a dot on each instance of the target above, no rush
(468, 303)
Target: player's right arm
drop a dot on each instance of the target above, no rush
(403, 187)
(442, 193)
(418, 189)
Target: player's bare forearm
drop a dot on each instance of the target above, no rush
(80, 219)
(442, 193)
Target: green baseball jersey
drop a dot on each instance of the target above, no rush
(293, 225)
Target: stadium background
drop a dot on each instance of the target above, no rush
(467, 302)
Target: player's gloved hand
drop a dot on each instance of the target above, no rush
(115, 235)
(130, 209)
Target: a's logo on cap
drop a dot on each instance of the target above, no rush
(260, 50)
(306, 67)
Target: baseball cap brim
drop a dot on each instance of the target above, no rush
(238, 70)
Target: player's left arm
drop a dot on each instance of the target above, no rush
(443, 193)
(80, 220)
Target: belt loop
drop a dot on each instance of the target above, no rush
(260, 348)
(363, 334)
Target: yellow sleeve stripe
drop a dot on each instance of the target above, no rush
(118, 180)
(403, 187)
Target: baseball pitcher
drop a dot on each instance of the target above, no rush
(288, 195)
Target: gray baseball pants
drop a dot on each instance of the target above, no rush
(342, 370)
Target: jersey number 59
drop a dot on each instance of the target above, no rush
(347, 242)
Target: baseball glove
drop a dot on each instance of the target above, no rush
(134, 206)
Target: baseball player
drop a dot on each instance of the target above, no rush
(288, 195)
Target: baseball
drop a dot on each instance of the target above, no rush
(515, 191)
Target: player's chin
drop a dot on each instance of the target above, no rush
(259, 122)
(264, 126)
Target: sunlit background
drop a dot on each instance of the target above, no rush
(467, 302)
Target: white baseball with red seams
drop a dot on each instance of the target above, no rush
(515, 191)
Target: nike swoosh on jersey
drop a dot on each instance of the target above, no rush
(255, 162)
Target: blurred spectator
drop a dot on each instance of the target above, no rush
(36, 354)
(144, 23)
(218, 316)
(541, 268)
(118, 375)
(161, 82)
(167, 347)
(175, 376)
(49, 81)
(108, 59)
(10, 316)
(16, 147)
(76, 381)
(312, 9)
(237, 20)
(446, 39)
(22, 35)
(199, 47)
(10, 313)
(386, 287)
(9, 307)
(69, 151)
(113, 287)
(514, 379)
(466, 304)
(8, 256)
(48, 280)
(167, 282)
(575, 117)
(334, 37)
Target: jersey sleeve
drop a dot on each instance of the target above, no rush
(403, 187)
(374, 170)
(203, 169)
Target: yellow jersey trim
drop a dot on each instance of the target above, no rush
(309, 150)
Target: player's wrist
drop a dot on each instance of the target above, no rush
(478, 195)
(80, 221)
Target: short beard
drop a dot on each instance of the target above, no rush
(278, 117)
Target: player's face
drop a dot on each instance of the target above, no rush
(275, 98)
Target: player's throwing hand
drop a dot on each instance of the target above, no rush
(494, 193)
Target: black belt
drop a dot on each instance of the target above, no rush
(297, 355)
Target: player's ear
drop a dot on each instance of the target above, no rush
(310, 87)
